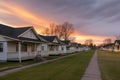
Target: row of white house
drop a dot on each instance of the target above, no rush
(112, 46)
(24, 43)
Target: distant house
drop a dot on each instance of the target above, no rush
(73, 47)
(108, 47)
(117, 46)
(77, 47)
(68, 45)
(55, 45)
(18, 43)
(81, 47)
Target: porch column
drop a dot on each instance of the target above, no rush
(35, 50)
(19, 51)
(56, 47)
(5, 50)
(47, 49)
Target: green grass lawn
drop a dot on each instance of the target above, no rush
(69, 68)
(10, 65)
(54, 56)
(109, 65)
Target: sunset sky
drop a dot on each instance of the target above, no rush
(92, 19)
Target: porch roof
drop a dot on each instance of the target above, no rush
(30, 40)
(54, 44)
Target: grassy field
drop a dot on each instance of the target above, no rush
(69, 68)
(10, 65)
(109, 65)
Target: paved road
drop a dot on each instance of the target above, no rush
(92, 72)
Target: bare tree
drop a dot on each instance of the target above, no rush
(62, 31)
(67, 30)
(52, 30)
(46, 31)
(88, 42)
(107, 41)
(72, 39)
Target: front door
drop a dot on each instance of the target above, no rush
(3, 51)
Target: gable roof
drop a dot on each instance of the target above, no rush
(118, 41)
(67, 42)
(15, 32)
(108, 45)
(48, 38)
(12, 32)
(51, 39)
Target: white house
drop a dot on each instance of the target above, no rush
(19, 43)
(117, 46)
(69, 48)
(109, 47)
(55, 46)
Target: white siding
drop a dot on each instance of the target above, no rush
(44, 50)
(29, 34)
(11, 47)
(55, 40)
(39, 47)
(3, 55)
(60, 48)
(45, 47)
(64, 49)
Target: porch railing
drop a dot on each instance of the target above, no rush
(13, 55)
(55, 52)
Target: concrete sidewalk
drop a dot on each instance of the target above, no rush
(3, 73)
(92, 72)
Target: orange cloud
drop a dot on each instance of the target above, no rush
(80, 37)
(36, 21)
(5, 11)
(24, 14)
(1, 22)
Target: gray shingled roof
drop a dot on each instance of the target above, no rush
(15, 32)
(11, 32)
(67, 42)
(118, 41)
(51, 39)
(48, 38)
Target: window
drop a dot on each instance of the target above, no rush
(1, 47)
(118, 47)
(16, 47)
(52, 48)
(42, 48)
(62, 48)
(32, 47)
(24, 47)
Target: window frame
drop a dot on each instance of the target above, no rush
(1, 47)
